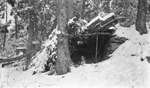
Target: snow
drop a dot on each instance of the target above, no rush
(42, 56)
(9, 17)
(108, 16)
(100, 18)
(71, 20)
(123, 70)
(80, 22)
(83, 24)
(92, 21)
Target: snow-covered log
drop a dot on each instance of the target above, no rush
(98, 23)
(100, 18)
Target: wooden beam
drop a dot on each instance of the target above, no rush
(82, 35)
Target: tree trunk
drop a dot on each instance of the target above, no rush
(29, 45)
(141, 17)
(31, 38)
(16, 26)
(82, 9)
(16, 20)
(63, 54)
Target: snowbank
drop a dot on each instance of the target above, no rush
(138, 43)
(10, 18)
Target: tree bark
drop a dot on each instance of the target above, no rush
(63, 54)
(16, 20)
(16, 26)
(31, 37)
(141, 17)
(82, 9)
(29, 46)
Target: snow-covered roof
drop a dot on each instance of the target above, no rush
(107, 16)
(100, 18)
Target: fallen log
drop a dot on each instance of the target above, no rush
(11, 59)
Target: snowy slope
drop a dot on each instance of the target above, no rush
(41, 57)
(123, 70)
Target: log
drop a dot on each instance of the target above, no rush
(11, 59)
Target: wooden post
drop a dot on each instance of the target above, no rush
(96, 50)
(6, 27)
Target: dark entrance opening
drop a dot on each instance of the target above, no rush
(87, 48)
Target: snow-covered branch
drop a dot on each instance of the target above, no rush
(24, 9)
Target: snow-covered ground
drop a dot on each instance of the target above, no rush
(123, 70)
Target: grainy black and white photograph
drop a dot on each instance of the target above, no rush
(74, 43)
